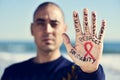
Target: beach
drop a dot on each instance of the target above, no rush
(110, 62)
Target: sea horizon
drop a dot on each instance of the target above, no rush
(29, 46)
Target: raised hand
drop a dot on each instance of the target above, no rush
(88, 47)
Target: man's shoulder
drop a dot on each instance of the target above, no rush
(66, 61)
(19, 65)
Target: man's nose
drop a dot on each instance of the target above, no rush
(48, 28)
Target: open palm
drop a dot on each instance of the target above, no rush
(88, 47)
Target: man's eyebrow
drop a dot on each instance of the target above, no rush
(43, 20)
(55, 21)
(40, 19)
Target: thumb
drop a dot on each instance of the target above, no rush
(67, 42)
(69, 47)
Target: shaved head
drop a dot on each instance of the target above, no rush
(47, 4)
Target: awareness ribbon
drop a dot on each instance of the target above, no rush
(88, 50)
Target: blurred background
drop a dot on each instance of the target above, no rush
(16, 42)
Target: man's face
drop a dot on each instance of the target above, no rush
(47, 28)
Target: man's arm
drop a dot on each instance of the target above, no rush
(96, 75)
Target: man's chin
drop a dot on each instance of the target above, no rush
(49, 48)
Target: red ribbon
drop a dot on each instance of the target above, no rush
(88, 50)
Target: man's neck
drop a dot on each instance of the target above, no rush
(43, 57)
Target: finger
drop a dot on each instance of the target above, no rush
(71, 51)
(77, 23)
(93, 28)
(66, 41)
(85, 21)
(101, 33)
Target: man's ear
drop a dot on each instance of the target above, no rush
(32, 32)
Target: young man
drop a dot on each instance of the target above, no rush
(48, 29)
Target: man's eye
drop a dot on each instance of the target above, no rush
(40, 23)
(54, 24)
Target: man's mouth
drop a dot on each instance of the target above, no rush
(48, 40)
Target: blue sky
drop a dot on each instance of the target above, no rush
(16, 17)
